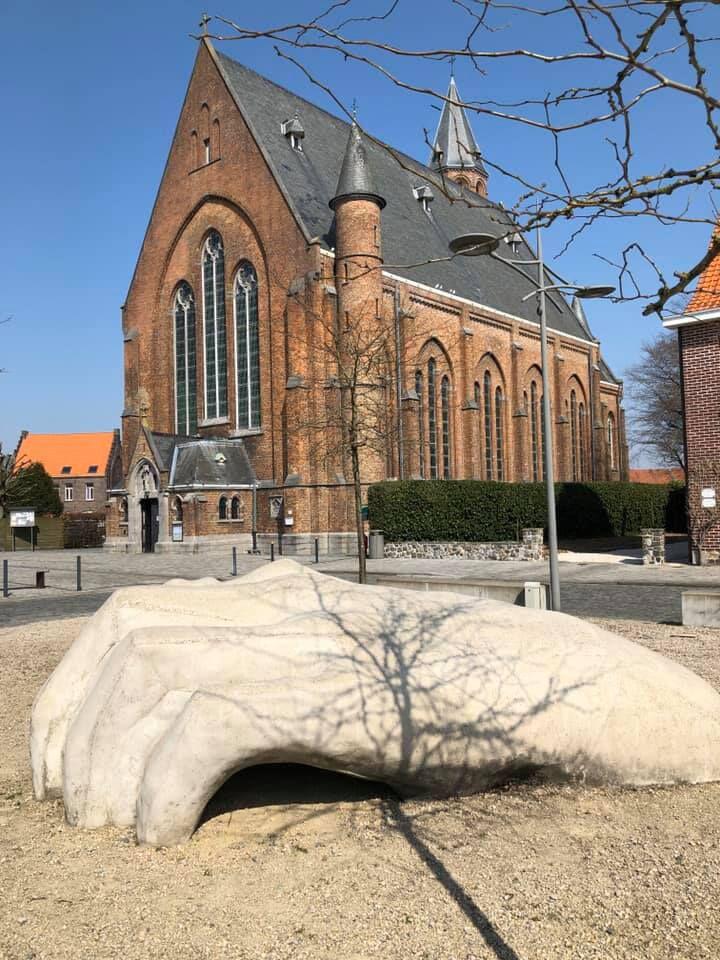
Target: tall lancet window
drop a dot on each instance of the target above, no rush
(247, 348)
(499, 436)
(432, 418)
(185, 375)
(213, 268)
(421, 423)
(487, 421)
(445, 419)
(534, 431)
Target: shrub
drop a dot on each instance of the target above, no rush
(481, 511)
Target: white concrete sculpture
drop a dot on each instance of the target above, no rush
(171, 689)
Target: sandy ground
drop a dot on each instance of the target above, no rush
(292, 863)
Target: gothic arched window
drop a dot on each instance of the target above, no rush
(247, 348)
(487, 425)
(421, 423)
(235, 508)
(445, 417)
(612, 456)
(213, 270)
(574, 434)
(582, 435)
(222, 508)
(185, 354)
(534, 431)
(499, 434)
(177, 509)
(432, 419)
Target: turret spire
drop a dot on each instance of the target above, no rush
(455, 150)
(356, 181)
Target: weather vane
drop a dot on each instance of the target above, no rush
(354, 109)
(204, 21)
(452, 65)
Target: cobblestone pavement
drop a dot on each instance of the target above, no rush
(588, 589)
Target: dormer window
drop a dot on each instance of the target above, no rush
(294, 131)
(425, 196)
(514, 241)
(66, 470)
(93, 468)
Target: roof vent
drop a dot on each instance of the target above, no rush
(220, 458)
(425, 195)
(294, 131)
(514, 241)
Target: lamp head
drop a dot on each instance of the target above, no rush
(593, 293)
(474, 244)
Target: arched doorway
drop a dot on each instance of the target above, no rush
(146, 495)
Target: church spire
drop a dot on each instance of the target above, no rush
(455, 150)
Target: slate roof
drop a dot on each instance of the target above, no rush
(455, 145)
(356, 179)
(411, 237)
(217, 463)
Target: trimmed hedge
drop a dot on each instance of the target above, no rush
(484, 511)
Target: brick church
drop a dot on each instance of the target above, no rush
(275, 226)
(698, 329)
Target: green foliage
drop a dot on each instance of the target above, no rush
(482, 511)
(29, 485)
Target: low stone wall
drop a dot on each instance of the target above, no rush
(529, 548)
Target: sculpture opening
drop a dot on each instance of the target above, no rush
(291, 784)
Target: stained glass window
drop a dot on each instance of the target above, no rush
(213, 265)
(574, 433)
(582, 433)
(185, 353)
(611, 440)
(247, 369)
(432, 419)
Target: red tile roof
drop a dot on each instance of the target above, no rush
(78, 451)
(657, 475)
(707, 292)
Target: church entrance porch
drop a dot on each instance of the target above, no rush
(150, 523)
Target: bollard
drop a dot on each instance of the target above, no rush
(272, 552)
(78, 578)
(234, 561)
(317, 550)
(6, 579)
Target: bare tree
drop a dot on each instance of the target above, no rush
(605, 69)
(655, 393)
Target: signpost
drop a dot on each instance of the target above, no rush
(23, 518)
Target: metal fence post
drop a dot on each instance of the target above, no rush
(6, 579)
(317, 550)
(78, 573)
(272, 552)
(234, 561)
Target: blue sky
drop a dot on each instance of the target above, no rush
(95, 91)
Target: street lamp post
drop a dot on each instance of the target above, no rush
(483, 244)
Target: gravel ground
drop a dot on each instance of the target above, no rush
(291, 863)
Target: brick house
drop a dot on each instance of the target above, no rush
(275, 221)
(698, 329)
(84, 466)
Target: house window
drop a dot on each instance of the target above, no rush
(222, 508)
(247, 348)
(213, 269)
(499, 434)
(185, 361)
(93, 468)
(445, 415)
(432, 419)
(89, 491)
(235, 508)
(69, 492)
